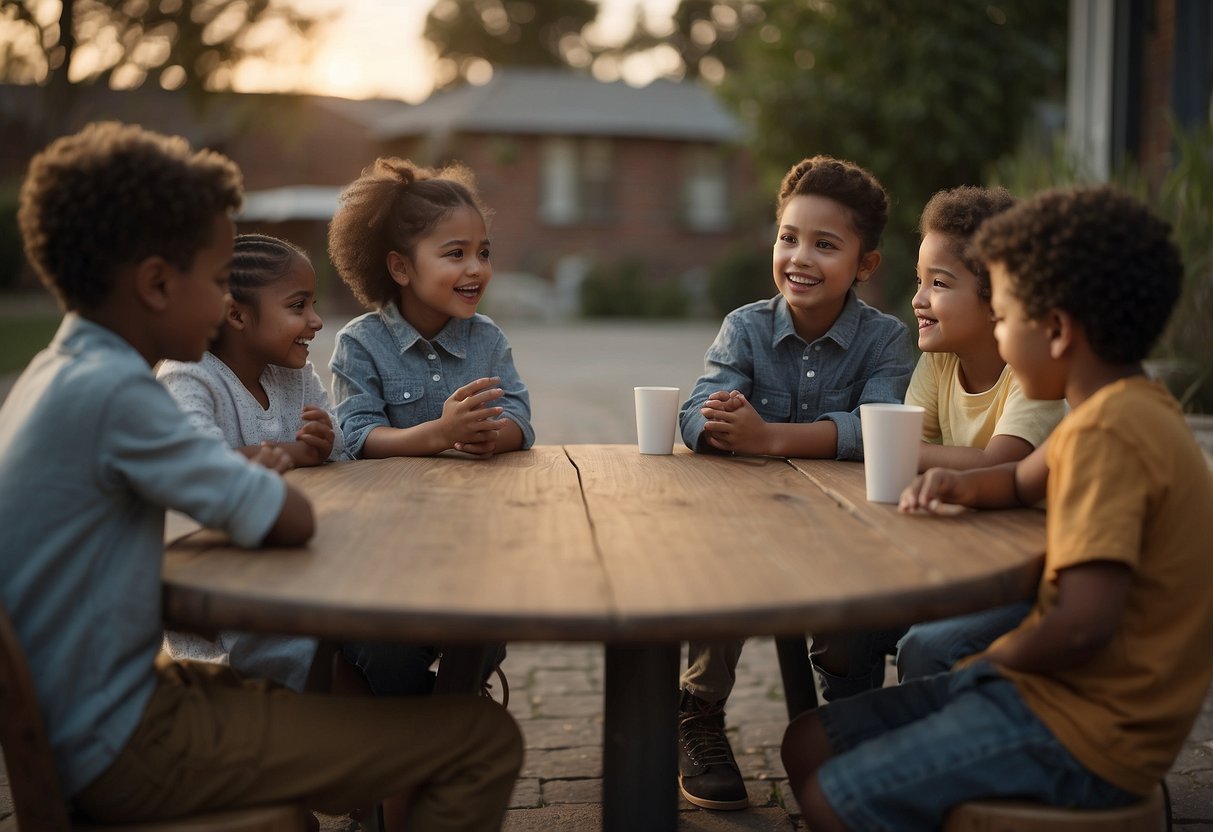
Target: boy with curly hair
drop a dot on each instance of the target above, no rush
(133, 233)
(1088, 701)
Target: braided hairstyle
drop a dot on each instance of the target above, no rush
(844, 182)
(388, 208)
(257, 261)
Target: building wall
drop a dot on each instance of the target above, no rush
(1158, 45)
(647, 218)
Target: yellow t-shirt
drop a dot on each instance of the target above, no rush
(1128, 483)
(958, 418)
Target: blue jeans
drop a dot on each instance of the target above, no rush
(908, 754)
(404, 669)
(851, 663)
(934, 646)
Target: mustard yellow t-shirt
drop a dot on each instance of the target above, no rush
(1128, 483)
(952, 416)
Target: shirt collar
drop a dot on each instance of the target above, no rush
(77, 334)
(842, 332)
(453, 337)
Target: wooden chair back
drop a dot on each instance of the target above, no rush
(37, 798)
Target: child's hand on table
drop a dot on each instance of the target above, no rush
(316, 435)
(938, 491)
(734, 425)
(269, 455)
(469, 424)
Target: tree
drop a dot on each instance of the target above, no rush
(124, 43)
(926, 95)
(468, 33)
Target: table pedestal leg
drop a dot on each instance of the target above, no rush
(799, 692)
(639, 757)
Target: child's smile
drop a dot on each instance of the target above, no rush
(447, 274)
(816, 259)
(281, 327)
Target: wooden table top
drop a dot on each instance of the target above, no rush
(601, 543)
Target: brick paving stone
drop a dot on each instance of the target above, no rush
(554, 819)
(563, 763)
(754, 820)
(572, 791)
(526, 793)
(561, 733)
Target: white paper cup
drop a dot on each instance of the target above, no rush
(891, 433)
(656, 419)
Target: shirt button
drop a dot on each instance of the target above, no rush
(764, 401)
(408, 395)
(431, 356)
(811, 374)
(817, 348)
(804, 407)
(436, 377)
(805, 357)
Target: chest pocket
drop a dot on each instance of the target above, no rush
(404, 400)
(772, 405)
(841, 398)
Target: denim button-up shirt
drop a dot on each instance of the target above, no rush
(866, 356)
(385, 373)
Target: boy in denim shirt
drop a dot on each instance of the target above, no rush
(786, 377)
(1087, 702)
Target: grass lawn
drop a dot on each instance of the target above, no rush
(22, 337)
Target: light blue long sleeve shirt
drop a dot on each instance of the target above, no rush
(866, 356)
(92, 451)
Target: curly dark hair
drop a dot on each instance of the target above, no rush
(1096, 253)
(387, 208)
(115, 194)
(257, 261)
(957, 214)
(844, 182)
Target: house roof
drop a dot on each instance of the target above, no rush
(542, 101)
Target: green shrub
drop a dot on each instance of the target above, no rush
(742, 275)
(623, 290)
(1184, 198)
(12, 259)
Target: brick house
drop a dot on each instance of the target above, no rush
(576, 171)
(579, 172)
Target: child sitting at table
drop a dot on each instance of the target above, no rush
(975, 415)
(133, 233)
(1088, 701)
(255, 388)
(424, 372)
(786, 377)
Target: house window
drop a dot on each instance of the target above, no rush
(576, 181)
(705, 190)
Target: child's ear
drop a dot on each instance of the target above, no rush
(398, 267)
(867, 264)
(237, 316)
(151, 280)
(1061, 327)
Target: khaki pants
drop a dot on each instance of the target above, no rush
(208, 741)
(711, 669)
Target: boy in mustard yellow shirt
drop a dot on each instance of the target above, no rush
(1088, 701)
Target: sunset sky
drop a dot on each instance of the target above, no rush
(375, 48)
